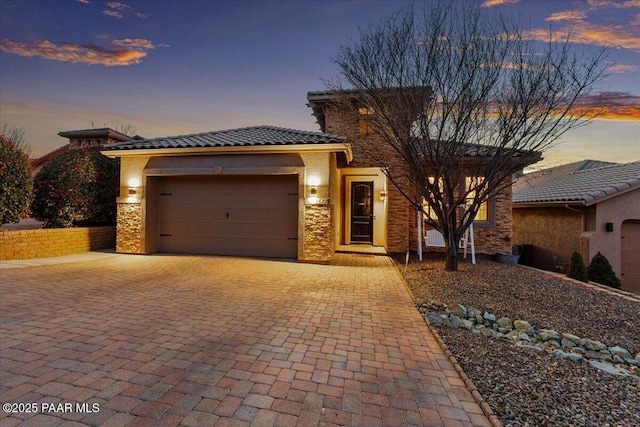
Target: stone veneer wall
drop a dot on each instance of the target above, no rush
(401, 227)
(488, 239)
(318, 233)
(346, 122)
(49, 242)
(129, 229)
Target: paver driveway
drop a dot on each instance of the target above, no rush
(203, 341)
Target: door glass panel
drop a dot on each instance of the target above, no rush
(362, 212)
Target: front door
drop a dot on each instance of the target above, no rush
(362, 212)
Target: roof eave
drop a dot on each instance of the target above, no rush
(263, 149)
(550, 204)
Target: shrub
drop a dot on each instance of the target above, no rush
(600, 271)
(16, 185)
(78, 188)
(577, 270)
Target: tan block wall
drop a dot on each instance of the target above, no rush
(49, 242)
(129, 229)
(553, 232)
(318, 233)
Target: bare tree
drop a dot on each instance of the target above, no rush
(17, 136)
(465, 100)
(125, 128)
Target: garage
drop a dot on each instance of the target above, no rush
(229, 215)
(630, 255)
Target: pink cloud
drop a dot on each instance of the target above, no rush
(567, 15)
(623, 68)
(617, 4)
(490, 3)
(626, 36)
(117, 53)
(118, 10)
(611, 105)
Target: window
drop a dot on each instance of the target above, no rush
(363, 122)
(483, 209)
(483, 214)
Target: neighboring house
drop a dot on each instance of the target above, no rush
(273, 192)
(586, 206)
(80, 138)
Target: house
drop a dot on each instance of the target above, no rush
(586, 206)
(273, 192)
(77, 139)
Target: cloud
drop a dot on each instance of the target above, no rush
(112, 13)
(611, 105)
(625, 36)
(119, 10)
(490, 3)
(84, 1)
(623, 68)
(116, 53)
(567, 15)
(617, 4)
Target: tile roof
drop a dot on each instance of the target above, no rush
(243, 137)
(583, 182)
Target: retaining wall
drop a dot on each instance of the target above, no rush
(49, 242)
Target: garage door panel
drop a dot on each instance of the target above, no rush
(252, 216)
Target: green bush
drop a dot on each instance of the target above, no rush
(78, 188)
(600, 271)
(577, 270)
(16, 185)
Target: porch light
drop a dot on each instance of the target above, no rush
(134, 185)
(312, 184)
(383, 195)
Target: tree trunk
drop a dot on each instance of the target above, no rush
(451, 260)
(451, 251)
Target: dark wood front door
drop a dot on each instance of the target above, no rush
(362, 212)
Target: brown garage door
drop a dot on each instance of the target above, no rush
(225, 215)
(630, 254)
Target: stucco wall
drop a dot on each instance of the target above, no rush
(615, 210)
(49, 242)
(137, 216)
(553, 232)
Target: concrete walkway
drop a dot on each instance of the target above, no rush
(213, 341)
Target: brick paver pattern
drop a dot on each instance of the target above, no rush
(216, 341)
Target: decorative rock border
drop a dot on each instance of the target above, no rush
(615, 360)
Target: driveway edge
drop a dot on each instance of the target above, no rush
(486, 409)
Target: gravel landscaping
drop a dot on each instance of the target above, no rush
(527, 387)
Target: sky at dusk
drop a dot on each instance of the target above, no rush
(178, 67)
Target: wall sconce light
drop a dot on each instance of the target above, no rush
(133, 190)
(383, 195)
(609, 227)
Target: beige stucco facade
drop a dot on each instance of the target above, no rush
(556, 231)
(137, 222)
